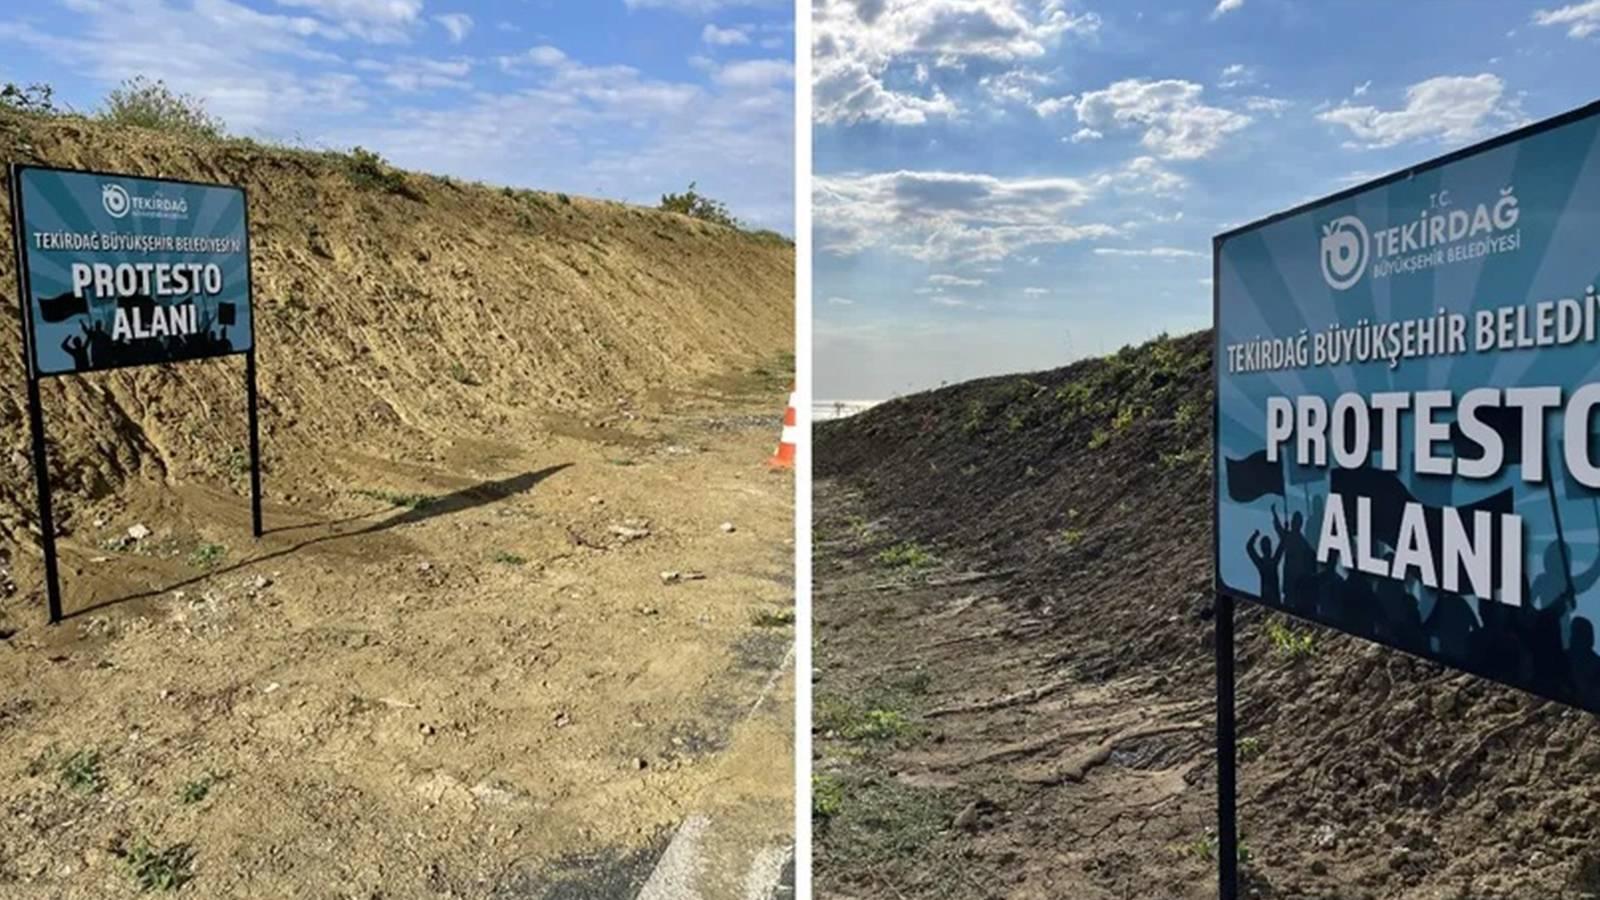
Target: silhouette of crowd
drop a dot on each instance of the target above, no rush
(1541, 645)
(95, 347)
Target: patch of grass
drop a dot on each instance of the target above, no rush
(81, 772)
(193, 792)
(907, 555)
(238, 463)
(33, 99)
(369, 171)
(207, 555)
(827, 797)
(853, 721)
(917, 683)
(1290, 643)
(697, 205)
(510, 559)
(1071, 537)
(1204, 848)
(394, 498)
(898, 834)
(1249, 748)
(166, 869)
(144, 103)
(463, 375)
(769, 618)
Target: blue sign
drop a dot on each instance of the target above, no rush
(1407, 376)
(122, 271)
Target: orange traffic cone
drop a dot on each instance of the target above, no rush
(783, 457)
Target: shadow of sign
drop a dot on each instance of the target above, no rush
(456, 502)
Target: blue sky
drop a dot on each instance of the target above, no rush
(625, 99)
(1008, 185)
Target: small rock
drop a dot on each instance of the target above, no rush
(597, 500)
(138, 532)
(424, 567)
(671, 577)
(1319, 868)
(270, 688)
(967, 819)
(648, 611)
(426, 729)
(261, 582)
(640, 764)
(630, 531)
(729, 528)
(562, 720)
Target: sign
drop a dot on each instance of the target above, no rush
(121, 271)
(115, 271)
(1407, 381)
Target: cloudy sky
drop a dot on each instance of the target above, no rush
(625, 99)
(1007, 185)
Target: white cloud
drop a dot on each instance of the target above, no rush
(1450, 109)
(1272, 106)
(951, 217)
(1176, 124)
(700, 7)
(1152, 252)
(1236, 75)
(1036, 291)
(1085, 134)
(1226, 6)
(1580, 19)
(235, 59)
(416, 74)
(858, 44)
(1362, 88)
(954, 281)
(955, 303)
(724, 37)
(755, 73)
(380, 21)
(840, 301)
(458, 24)
(543, 56)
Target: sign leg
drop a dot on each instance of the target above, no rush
(41, 481)
(255, 443)
(1227, 818)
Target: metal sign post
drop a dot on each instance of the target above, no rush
(1227, 757)
(116, 271)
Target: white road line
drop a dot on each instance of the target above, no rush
(678, 870)
(766, 872)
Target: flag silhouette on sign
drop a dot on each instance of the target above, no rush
(62, 307)
(1254, 477)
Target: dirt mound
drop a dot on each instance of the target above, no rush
(394, 310)
(1014, 573)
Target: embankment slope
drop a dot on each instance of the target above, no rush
(392, 315)
(1067, 694)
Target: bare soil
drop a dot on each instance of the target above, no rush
(496, 643)
(1015, 695)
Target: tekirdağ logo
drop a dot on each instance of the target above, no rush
(115, 200)
(1345, 248)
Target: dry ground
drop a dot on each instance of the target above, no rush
(492, 694)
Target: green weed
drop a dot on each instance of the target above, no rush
(81, 772)
(908, 555)
(160, 870)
